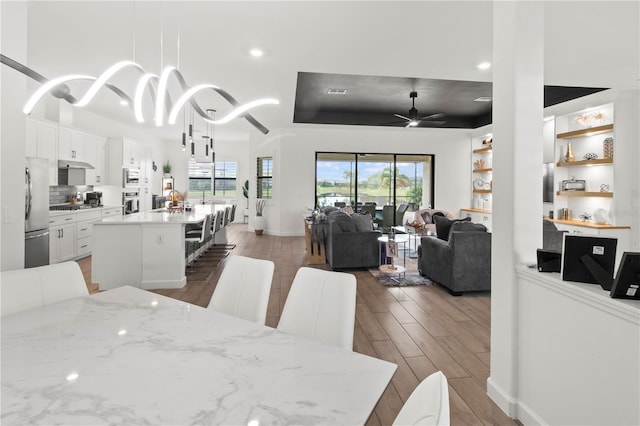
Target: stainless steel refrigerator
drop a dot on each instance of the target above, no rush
(36, 207)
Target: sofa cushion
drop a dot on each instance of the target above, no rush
(344, 221)
(443, 225)
(363, 222)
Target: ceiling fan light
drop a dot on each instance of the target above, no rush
(413, 123)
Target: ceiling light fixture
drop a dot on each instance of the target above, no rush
(484, 65)
(334, 91)
(58, 88)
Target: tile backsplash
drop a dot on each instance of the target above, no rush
(64, 194)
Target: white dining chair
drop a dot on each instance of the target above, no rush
(321, 305)
(428, 404)
(243, 288)
(30, 288)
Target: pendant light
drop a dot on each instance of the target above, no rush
(193, 144)
(212, 114)
(184, 134)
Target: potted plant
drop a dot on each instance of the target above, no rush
(166, 168)
(258, 222)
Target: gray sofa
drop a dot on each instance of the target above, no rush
(351, 241)
(460, 263)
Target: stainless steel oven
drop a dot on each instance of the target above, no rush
(131, 201)
(130, 177)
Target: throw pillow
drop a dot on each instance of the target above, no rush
(343, 220)
(347, 210)
(426, 217)
(443, 225)
(363, 222)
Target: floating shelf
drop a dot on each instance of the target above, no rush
(482, 150)
(482, 170)
(588, 224)
(584, 194)
(482, 191)
(585, 132)
(471, 209)
(596, 162)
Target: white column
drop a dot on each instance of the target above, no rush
(518, 71)
(14, 45)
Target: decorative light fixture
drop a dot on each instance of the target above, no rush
(161, 99)
(212, 114)
(193, 144)
(184, 133)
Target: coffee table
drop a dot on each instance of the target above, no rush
(392, 269)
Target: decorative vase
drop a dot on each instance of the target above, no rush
(258, 224)
(568, 156)
(607, 148)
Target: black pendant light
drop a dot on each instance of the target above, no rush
(184, 134)
(212, 114)
(193, 144)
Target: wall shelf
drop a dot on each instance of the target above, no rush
(482, 170)
(584, 194)
(483, 150)
(586, 132)
(596, 162)
(482, 191)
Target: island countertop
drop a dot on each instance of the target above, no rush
(154, 217)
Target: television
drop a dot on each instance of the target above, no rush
(627, 282)
(589, 259)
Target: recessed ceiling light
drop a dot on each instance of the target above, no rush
(484, 65)
(335, 91)
(124, 102)
(483, 99)
(256, 53)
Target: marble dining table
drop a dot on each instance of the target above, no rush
(129, 356)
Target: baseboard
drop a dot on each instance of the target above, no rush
(528, 417)
(512, 407)
(503, 400)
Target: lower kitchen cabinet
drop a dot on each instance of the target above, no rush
(478, 216)
(62, 243)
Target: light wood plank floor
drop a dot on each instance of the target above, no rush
(420, 328)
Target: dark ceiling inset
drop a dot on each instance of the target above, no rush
(373, 101)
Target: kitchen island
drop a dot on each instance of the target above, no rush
(144, 250)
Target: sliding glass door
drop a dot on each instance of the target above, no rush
(356, 179)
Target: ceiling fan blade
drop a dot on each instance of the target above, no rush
(403, 117)
(433, 116)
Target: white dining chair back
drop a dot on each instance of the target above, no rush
(243, 288)
(428, 404)
(24, 289)
(321, 305)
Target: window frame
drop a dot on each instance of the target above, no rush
(260, 178)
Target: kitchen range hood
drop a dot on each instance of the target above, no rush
(70, 164)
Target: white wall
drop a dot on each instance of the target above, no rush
(12, 149)
(294, 149)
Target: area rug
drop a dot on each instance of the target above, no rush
(411, 276)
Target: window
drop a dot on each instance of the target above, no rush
(224, 181)
(265, 177)
(223, 176)
(200, 177)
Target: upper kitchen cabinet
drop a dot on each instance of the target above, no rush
(71, 144)
(96, 155)
(42, 141)
(126, 153)
(146, 166)
(131, 154)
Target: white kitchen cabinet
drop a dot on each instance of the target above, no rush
(62, 237)
(131, 153)
(96, 154)
(71, 144)
(42, 141)
(111, 212)
(145, 199)
(84, 231)
(146, 168)
(122, 153)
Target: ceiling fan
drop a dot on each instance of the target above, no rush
(413, 120)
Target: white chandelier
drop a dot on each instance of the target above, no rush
(156, 85)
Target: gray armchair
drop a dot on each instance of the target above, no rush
(351, 242)
(551, 236)
(463, 263)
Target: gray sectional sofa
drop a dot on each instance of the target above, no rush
(351, 241)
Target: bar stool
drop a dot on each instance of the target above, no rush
(197, 237)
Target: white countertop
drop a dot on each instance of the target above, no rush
(128, 356)
(154, 217)
(63, 212)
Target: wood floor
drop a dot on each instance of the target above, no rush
(422, 329)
